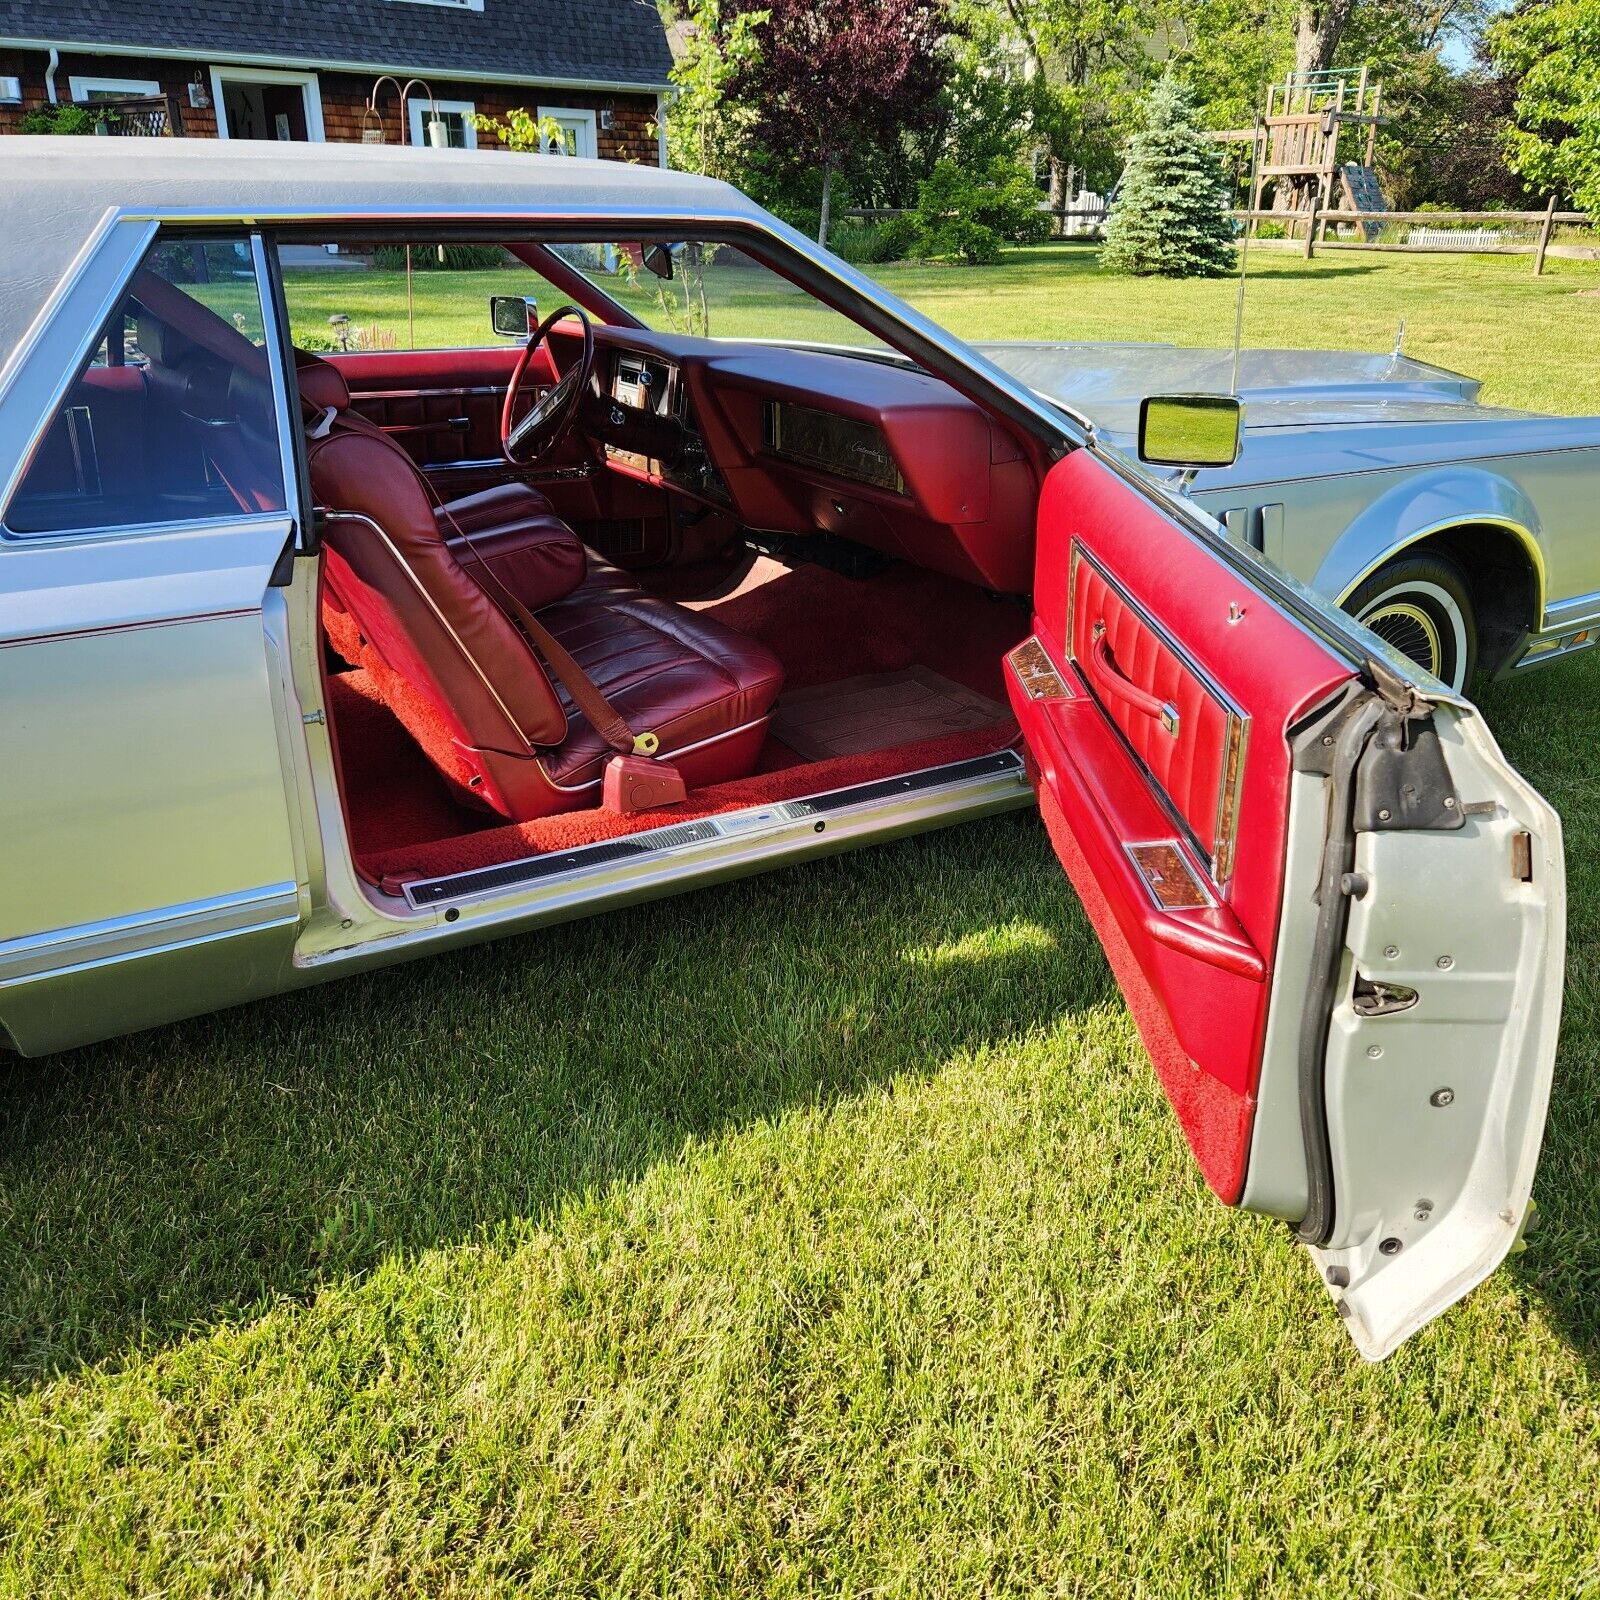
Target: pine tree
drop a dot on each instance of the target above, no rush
(1171, 216)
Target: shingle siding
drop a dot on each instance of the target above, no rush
(343, 97)
(600, 42)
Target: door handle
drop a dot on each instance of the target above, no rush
(1119, 686)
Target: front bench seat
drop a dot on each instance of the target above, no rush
(402, 599)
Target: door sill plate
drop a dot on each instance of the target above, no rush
(428, 893)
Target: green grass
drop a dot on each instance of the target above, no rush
(822, 1234)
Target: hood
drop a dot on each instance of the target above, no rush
(1280, 388)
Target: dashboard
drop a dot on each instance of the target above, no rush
(804, 441)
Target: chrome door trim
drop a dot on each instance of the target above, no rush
(357, 395)
(89, 944)
(1219, 861)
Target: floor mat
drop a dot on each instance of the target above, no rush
(877, 711)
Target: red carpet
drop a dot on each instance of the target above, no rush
(823, 628)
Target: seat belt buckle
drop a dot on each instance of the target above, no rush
(636, 783)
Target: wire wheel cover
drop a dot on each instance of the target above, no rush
(1411, 629)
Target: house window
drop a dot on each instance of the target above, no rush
(82, 89)
(577, 131)
(456, 115)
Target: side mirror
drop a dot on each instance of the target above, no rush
(658, 258)
(1190, 430)
(513, 316)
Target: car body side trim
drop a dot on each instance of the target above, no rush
(146, 932)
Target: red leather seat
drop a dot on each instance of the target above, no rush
(404, 600)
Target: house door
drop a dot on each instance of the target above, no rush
(260, 105)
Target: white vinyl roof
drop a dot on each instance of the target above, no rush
(55, 192)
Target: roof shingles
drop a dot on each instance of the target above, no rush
(605, 42)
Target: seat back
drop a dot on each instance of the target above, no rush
(451, 666)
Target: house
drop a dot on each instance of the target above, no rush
(306, 69)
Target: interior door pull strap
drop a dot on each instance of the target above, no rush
(1116, 683)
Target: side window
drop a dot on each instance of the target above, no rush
(171, 420)
(356, 296)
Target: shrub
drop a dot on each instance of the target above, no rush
(870, 243)
(967, 215)
(427, 257)
(1172, 217)
(63, 119)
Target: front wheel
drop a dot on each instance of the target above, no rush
(1421, 606)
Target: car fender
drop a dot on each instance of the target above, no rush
(1428, 503)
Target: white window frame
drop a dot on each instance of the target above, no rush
(307, 82)
(80, 88)
(420, 108)
(587, 126)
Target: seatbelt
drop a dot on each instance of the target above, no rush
(636, 777)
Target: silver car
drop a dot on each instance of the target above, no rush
(1464, 534)
(402, 548)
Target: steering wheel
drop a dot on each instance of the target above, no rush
(550, 418)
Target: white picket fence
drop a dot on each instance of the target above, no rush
(1455, 238)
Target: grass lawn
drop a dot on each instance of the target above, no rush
(825, 1233)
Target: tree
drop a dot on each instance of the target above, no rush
(829, 75)
(1171, 218)
(1318, 28)
(1552, 49)
(706, 128)
(1087, 61)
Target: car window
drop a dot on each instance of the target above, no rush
(360, 296)
(171, 419)
(715, 291)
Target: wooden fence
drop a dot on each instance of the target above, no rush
(1489, 233)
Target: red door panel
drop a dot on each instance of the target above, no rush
(1163, 775)
(417, 393)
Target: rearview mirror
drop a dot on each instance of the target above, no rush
(1190, 430)
(513, 316)
(658, 258)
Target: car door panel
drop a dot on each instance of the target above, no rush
(1120, 777)
(141, 708)
(1334, 910)
(420, 397)
(416, 393)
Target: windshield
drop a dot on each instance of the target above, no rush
(715, 291)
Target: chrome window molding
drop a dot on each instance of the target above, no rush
(275, 340)
(833, 281)
(141, 530)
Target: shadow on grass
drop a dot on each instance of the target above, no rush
(1549, 727)
(154, 1186)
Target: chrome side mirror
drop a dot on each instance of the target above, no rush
(513, 316)
(1190, 430)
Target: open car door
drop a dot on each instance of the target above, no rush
(1336, 912)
